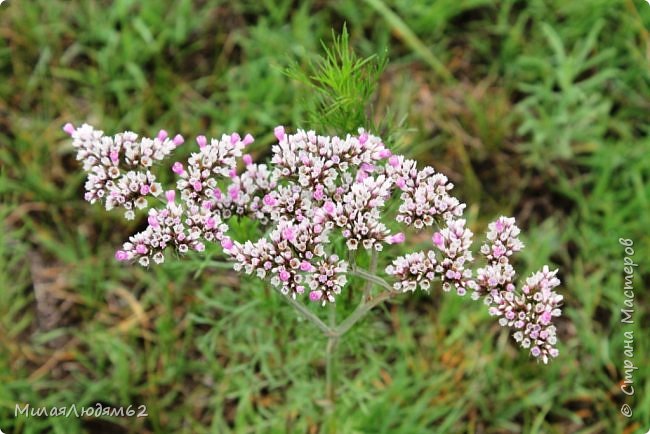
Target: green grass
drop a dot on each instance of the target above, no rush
(538, 109)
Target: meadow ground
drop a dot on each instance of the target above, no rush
(537, 109)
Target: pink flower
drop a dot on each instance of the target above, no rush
(363, 138)
(121, 255)
(177, 168)
(114, 156)
(227, 243)
(233, 191)
(306, 266)
(315, 295)
(288, 234)
(361, 175)
(144, 189)
(393, 161)
(178, 140)
(396, 239)
(234, 138)
(153, 221)
(248, 159)
(284, 275)
(269, 200)
(279, 132)
(162, 135)
(201, 141)
(170, 195)
(69, 128)
(329, 207)
(248, 139)
(437, 239)
(141, 249)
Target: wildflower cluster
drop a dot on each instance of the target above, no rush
(315, 190)
(528, 312)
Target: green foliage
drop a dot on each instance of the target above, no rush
(339, 86)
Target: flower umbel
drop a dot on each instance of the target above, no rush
(315, 190)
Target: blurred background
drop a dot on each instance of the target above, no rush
(536, 109)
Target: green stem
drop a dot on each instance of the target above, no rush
(371, 278)
(373, 269)
(362, 309)
(332, 341)
(309, 315)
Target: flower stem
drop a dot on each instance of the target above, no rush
(332, 341)
(309, 315)
(334, 332)
(362, 309)
(373, 269)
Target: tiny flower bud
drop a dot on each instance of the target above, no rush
(201, 141)
(288, 234)
(121, 255)
(397, 238)
(248, 160)
(306, 266)
(437, 239)
(114, 156)
(144, 189)
(363, 138)
(385, 153)
(269, 200)
(227, 243)
(284, 275)
(279, 132)
(69, 128)
(329, 207)
(234, 138)
(248, 139)
(170, 195)
(401, 183)
(361, 175)
(162, 135)
(153, 221)
(178, 140)
(315, 295)
(199, 247)
(233, 173)
(393, 161)
(177, 168)
(141, 249)
(197, 185)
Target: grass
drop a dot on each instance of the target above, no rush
(534, 108)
